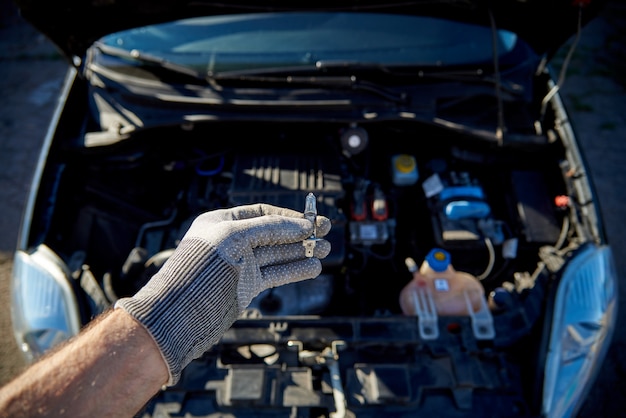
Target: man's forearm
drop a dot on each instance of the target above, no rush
(111, 369)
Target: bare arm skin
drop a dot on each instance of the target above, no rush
(111, 369)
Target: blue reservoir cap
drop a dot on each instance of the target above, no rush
(464, 209)
(460, 192)
(438, 259)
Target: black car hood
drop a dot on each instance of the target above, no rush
(73, 25)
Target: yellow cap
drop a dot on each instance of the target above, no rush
(405, 163)
(440, 255)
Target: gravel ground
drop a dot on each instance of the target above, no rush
(31, 74)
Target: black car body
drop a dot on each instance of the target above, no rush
(417, 125)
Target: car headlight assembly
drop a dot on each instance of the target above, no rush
(44, 308)
(585, 311)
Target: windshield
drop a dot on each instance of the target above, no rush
(273, 40)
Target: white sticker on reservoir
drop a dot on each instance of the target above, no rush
(441, 285)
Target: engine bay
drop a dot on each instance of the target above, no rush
(506, 215)
(392, 191)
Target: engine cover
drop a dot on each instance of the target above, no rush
(285, 180)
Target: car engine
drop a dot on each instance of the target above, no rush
(392, 191)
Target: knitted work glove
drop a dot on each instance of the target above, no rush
(226, 258)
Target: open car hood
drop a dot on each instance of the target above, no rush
(74, 25)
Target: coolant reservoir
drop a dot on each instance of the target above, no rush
(453, 292)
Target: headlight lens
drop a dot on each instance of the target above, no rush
(44, 308)
(584, 317)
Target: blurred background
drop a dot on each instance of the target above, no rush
(32, 72)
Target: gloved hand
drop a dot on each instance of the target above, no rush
(226, 258)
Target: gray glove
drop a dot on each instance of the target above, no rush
(226, 258)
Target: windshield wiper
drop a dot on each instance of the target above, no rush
(350, 82)
(151, 60)
(476, 76)
(316, 76)
(424, 72)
